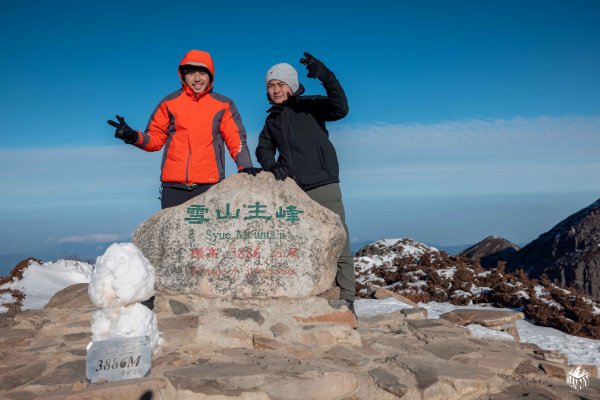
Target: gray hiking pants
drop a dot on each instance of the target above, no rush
(330, 196)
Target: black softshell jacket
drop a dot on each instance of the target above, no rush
(296, 129)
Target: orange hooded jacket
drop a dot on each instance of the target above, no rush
(194, 129)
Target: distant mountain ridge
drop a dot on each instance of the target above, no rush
(569, 253)
(491, 250)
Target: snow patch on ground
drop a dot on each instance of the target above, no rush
(447, 273)
(482, 332)
(41, 281)
(476, 290)
(523, 294)
(435, 309)
(372, 307)
(404, 247)
(596, 309)
(578, 350)
(417, 284)
(541, 292)
(6, 298)
(387, 242)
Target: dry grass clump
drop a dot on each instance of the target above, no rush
(437, 276)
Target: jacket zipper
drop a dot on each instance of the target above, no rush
(287, 143)
(323, 163)
(221, 159)
(187, 168)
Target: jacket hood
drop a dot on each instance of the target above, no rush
(200, 59)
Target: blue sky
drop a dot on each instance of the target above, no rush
(467, 118)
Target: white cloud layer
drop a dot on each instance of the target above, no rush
(478, 156)
(531, 138)
(520, 155)
(97, 238)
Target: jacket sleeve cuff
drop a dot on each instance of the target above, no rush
(329, 79)
(268, 165)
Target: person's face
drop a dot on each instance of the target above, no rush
(198, 80)
(278, 91)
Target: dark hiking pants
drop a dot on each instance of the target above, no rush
(330, 196)
(174, 196)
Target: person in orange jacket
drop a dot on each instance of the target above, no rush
(193, 124)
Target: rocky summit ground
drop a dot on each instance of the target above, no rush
(272, 349)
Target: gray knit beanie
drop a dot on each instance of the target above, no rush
(285, 73)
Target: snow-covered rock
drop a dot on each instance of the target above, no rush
(41, 281)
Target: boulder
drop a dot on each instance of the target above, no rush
(503, 321)
(487, 318)
(383, 293)
(71, 297)
(246, 237)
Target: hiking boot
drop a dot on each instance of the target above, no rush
(350, 305)
(343, 302)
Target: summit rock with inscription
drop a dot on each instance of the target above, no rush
(246, 237)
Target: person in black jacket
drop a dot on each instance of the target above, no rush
(295, 128)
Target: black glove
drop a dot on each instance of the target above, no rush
(123, 131)
(281, 172)
(251, 171)
(316, 69)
